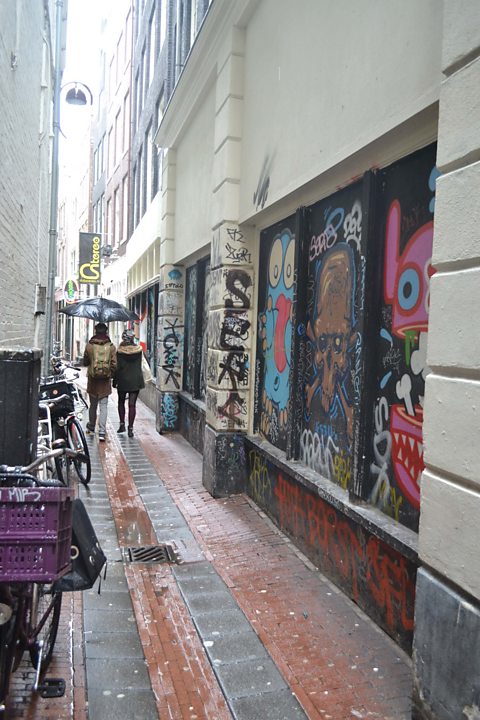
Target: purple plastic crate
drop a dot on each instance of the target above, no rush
(35, 533)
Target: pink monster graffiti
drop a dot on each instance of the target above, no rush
(406, 288)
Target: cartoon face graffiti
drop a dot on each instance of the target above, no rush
(275, 325)
(407, 276)
(406, 287)
(331, 331)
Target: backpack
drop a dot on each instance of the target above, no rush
(100, 361)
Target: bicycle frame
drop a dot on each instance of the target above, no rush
(23, 618)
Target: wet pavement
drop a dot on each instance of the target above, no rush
(242, 626)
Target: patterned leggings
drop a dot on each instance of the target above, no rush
(132, 410)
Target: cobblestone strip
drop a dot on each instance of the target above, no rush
(118, 682)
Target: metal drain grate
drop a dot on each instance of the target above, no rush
(152, 554)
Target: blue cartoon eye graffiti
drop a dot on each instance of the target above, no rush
(275, 329)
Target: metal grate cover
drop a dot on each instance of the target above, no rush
(152, 554)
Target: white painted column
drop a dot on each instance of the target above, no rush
(230, 321)
(448, 588)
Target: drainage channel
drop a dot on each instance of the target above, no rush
(118, 683)
(248, 677)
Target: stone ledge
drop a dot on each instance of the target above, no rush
(402, 539)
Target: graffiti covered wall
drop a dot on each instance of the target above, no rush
(274, 339)
(406, 233)
(379, 579)
(333, 332)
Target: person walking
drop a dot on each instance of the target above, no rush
(100, 357)
(128, 379)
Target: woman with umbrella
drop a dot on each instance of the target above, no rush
(128, 379)
(100, 357)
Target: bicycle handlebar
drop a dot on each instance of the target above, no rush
(17, 470)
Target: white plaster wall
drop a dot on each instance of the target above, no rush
(450, 504)
(194, 181)
(323, 79)
(447, 510)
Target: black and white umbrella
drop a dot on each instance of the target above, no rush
(100, 309)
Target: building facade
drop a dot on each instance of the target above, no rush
(317, 246)
(164, 31)
(27, 52)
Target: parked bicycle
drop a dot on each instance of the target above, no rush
(35, 540)
(59, 420)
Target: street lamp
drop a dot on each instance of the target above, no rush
(75, 96)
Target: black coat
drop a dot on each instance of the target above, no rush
(129, 376)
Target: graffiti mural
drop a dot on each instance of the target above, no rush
(204, 339)
(277, 270)
(397, 462)
(333, 333)
(374, 575)
(190, 320)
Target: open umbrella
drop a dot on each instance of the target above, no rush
(100, 309)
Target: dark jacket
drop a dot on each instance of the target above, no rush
(129, 376)
(99, 387)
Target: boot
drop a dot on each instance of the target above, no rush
(130, 432)
(121, 428)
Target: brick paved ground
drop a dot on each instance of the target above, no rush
(338, 664)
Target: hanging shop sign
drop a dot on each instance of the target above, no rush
(71, 291)
(89, 255)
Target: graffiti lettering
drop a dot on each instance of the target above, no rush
(235, 367)
(237, 283)
(235, 235)
(238, 255)
(234, 407)
(258, 479)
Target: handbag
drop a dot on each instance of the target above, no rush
(87, 556)
(147, 373)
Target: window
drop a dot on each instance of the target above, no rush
(152, 47)
(108, 224)
(163, 24)
(102, 155)
(119, 59)
(145, 80)
(136, 111)
(117, 140)
(111, 151)
(148, 165)
(116, 218)
(157, 151)
(134, 197)
(128, 38)
(195, 338)
(124, 233)
(126, 122)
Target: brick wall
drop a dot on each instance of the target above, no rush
(24, 180)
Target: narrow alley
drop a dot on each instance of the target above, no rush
(241, 625)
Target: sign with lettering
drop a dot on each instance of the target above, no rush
(70, 291)
(89, 259)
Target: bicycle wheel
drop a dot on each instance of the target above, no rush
(77, 441)
(61, 463)
(44, 619)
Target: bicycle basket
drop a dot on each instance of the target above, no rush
(35, 533)
(50, 391)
